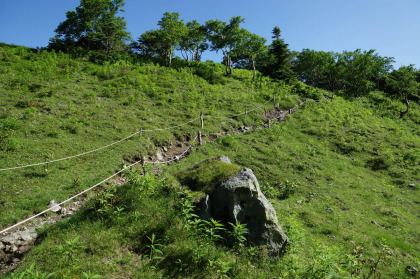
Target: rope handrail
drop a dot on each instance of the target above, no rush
(69, 199)
(130, 136)
(248, 111)
(92, 187)
(115, 174)
(97, 149)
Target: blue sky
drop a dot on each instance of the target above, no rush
(389, 26)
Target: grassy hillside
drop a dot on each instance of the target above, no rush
(337, 172)
(53, 106)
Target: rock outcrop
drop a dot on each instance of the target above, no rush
(240, 199)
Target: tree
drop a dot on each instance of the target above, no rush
(173, 29)
(250, 46)
(279, 58)
(404, 85)
(194, 42)
(94, 25)
(152, 44)
(225, 37)
(315, 68)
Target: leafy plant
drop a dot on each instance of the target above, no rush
(238, 233)
(71, 248)
(154, 248)
(31, 273)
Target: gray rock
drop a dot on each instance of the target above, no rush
(412, 185)
(205, 208)
(159, 155)
(225, 159)
(240, 200)
(54, 207)
(29, 235)
(1, 245)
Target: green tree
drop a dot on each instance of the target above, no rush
(152, 43)
(403, 84)
(279, 58)
(316, 68)
(225, 37)
(360, 70)
(94, 25)
(194, 42)
(251, 46)
(173, 29)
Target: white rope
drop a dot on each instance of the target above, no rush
(69, 199)
(70, 157)
(97, 149)
(209, 116)
(162, 129)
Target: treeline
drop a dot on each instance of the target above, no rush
(95, 29)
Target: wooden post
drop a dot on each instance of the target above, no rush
(202, 121)
(199, 138)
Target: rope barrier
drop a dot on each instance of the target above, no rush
(126, 167)
(130, 136)
(69, 199)
(97, 149)
(209, 116)
(90, 188)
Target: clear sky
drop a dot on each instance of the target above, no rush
(391, 27)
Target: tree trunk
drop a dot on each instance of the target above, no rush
(253, 67)
(170, 58)
(407, 103)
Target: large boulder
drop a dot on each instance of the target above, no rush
(240, 199)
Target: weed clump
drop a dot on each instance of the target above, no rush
(207, 175)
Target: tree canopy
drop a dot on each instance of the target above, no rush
(94, 25)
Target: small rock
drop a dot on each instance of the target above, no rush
(277, 105)
(159, 155)
(225, 159)
(412, 185)
(54, 207)
(28, 235)
(100, 99)
(24, 248)
(1, 245)
(14, 248)
(165, 149)
(298, 201)
(223, 123)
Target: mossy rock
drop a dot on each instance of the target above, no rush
(207, 175)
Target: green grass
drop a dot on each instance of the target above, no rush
(61, 107)
(329, 170)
